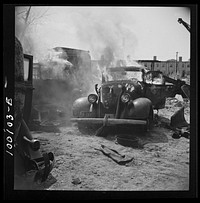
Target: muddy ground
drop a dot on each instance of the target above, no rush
(158, 163)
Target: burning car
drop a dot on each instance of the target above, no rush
(124, 98)
(127, 97)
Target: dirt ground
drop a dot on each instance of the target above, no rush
(159, 163)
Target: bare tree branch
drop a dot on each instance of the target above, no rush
(33, 18)
(20, 13)
(29, 17)
(27, 14)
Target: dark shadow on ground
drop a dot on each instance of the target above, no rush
(136, 136)
(26, 182)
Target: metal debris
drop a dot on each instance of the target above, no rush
(115, 155)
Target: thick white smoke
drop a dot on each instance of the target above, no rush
(87, 28)
(106, 32)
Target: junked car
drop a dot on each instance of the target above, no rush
(127, 96)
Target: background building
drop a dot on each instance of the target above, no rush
(173, 68)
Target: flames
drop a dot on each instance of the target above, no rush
(55, 65)
(110, 61)
(106, 33)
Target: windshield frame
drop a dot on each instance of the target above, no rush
(123, 73)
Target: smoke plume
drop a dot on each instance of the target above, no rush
(105, 32)
(91, 29)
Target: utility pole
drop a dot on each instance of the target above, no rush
(176, 67)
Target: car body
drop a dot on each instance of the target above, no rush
(127, 96)
(28, 157)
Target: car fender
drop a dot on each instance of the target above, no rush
(80, 104)
(138, 108)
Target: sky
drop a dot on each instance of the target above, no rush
(140, 32)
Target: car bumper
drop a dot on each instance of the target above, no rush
(109, 121)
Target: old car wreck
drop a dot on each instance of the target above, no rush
(56, 81)
(127, 99)
(29, 160)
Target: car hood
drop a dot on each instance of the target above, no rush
(130, 85)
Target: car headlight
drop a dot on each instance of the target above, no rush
(92, 98)
(125, 98)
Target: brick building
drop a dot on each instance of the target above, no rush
(169, 67)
